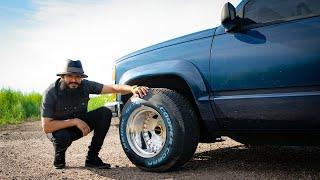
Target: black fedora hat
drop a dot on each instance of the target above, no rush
(73, 67)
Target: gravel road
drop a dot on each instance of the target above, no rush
(26, 153)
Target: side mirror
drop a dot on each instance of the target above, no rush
(229, 20)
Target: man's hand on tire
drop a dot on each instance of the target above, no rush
(82, 126)
(139, 91)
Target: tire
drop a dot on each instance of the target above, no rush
(159, 132)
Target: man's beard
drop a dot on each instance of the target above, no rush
(73, 85)
(69, 86)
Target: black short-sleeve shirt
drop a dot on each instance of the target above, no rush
(61, 103)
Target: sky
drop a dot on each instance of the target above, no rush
(37, 36)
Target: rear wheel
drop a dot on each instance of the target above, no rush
(159, 132)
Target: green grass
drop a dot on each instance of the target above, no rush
(98, 101)
(16, 107)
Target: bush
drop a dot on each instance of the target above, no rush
(98, 101)
(15, 106)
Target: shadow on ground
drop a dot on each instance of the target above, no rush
(267, 158)
(237, 162)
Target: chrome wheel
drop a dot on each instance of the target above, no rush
(146, 132)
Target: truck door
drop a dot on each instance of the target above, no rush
(267, 76)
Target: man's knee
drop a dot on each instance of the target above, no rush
(106, 113)
(100, 117)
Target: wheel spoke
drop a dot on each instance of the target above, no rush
(158, 141)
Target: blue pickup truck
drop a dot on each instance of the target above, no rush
(255, 78)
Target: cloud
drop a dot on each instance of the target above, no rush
(96, 32)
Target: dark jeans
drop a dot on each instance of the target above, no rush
(98, 120)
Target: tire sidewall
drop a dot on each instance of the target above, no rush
(170, 152)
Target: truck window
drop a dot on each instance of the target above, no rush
(262, 11)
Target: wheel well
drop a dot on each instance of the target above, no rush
(172, 82)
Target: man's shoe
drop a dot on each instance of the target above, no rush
(96, 162)
(59, 160)
(59, 166)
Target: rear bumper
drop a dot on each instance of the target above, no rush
(114, 107)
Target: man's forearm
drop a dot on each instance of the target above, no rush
(138, 91)
(115, 88)
(51, 125)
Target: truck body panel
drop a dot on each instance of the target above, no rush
(268, 77)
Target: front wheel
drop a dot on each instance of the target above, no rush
(159, 132)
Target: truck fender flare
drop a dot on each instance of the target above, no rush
(185, 70)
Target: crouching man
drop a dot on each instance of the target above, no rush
(65, 118)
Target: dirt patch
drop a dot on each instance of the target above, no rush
(26, 153)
